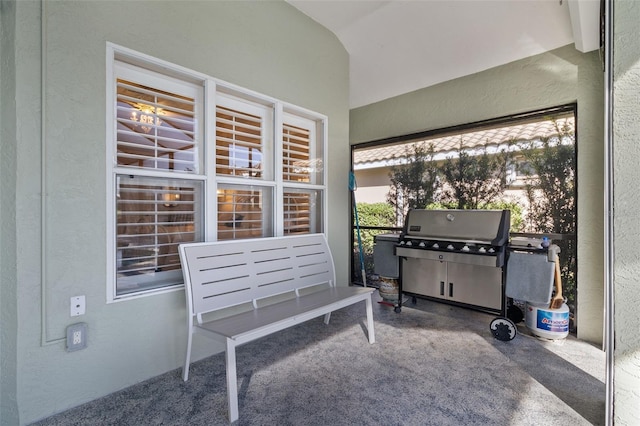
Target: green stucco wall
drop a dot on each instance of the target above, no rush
(626, 220)
(8, 289)
(554, 78)
(266, 46)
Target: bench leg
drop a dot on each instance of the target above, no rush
(372, 336)
(187, 361)
(327, 317)
(232, 381)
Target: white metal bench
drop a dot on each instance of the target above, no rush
(222, 274)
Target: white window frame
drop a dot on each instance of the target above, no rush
(213, 90)
(127, 64)
(303, 118)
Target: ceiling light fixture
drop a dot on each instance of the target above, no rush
(146, 115)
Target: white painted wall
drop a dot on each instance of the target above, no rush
(554, 78)
(626, 219)
(268, 47)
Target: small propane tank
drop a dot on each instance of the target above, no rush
(547, 323)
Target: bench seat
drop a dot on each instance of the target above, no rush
(245, 326)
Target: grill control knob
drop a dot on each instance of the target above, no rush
(409, 243)
(482, 250)
(401, 243)
(435, 245)
(449, 247)
(421, 244)
(491, 250)
(465, 248)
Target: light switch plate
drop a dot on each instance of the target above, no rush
(77, 306)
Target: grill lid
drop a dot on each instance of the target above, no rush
(472, 226)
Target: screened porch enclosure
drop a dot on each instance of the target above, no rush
(537, 181)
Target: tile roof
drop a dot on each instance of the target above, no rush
(491, 137)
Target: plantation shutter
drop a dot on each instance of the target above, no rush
(239, 150)
(243, 212)
(154, 216)
(301, 170)
(296, 153)
(297, 211)
(156, 129)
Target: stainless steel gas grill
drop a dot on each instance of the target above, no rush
(455, 256)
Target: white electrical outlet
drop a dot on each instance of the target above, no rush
(76, 336)
(77, 306)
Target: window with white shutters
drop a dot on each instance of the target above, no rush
(244, 212)
(302, 165)
(244, 139)
(302, 155)
(153, 217)
(191, 158)
(238, 143)
(156, 129)
(302, 211)
(296, 153)
(158, 200)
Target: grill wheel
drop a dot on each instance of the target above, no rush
(503, 329)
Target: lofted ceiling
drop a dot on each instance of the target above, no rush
(398, 46)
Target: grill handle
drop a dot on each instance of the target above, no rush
(450, 289)
(441, 288)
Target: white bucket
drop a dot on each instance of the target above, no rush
(547, 323)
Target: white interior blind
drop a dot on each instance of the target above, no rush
(239, 150)
(154, 216)
(156, 129)
(296, 153)
(242, 212)
(297, 213)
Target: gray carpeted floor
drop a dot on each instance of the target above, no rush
(432, 364)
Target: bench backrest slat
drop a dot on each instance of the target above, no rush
(227, 273)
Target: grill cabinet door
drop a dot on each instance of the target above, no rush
(475, 285)
(424, 277)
